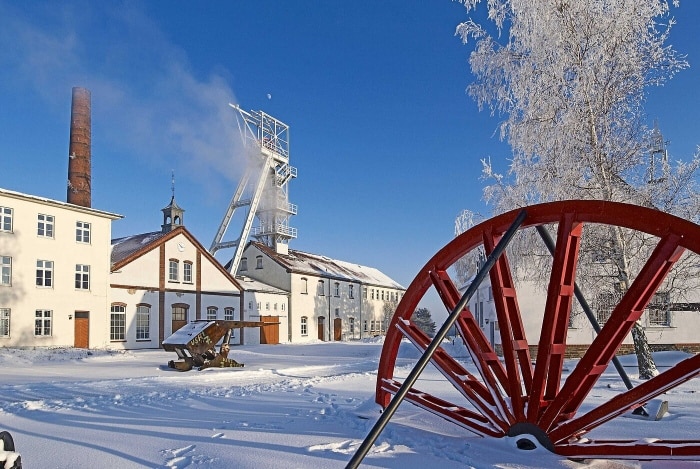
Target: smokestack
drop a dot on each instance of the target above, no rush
(79, 172)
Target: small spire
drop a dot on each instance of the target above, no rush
(172, 182)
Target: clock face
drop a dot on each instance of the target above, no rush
(180, 247)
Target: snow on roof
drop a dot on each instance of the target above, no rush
(187, 332)
(315, 264)
(124, 247)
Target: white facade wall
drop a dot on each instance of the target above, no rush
(144, 280)
(683, 328)
(25, 247)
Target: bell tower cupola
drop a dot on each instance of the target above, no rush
(173, 213)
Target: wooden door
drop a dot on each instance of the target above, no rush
(81, 336)
(337, 329)
(321, 328)
(270, 333)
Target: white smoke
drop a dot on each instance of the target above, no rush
(147, 102)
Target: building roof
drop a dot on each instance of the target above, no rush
(322, 266)
(125, 247)
(58, 203)
(129, 248)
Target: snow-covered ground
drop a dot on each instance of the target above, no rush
(291, 406)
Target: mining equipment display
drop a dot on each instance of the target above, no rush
(195, 344)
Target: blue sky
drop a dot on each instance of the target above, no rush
(386, 141)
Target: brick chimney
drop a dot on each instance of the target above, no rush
(79, 155)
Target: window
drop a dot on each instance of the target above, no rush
(383, 295)
(320, 289)
(258, 262)
(336, 287)
(211, 313)
(228, 314)
(351, 291)
(44, 273)
(250, 305)
(179, 313)
(258, 305)
(304, 325)
(372, 295)
(267, 306)
(42, 322)
(244, 264)
(658, 310)
(283, 306)
(6, 219)
(187, 272)
(364, 325)
(82, 277)
(173, 270)
(364, 292)
(5, 270)
(605, 303)
(304, 286)
(82, 232)
(143, 322)
(4, 322)
(351, 322)
(117, 322)
(275, 307)
(45, 226)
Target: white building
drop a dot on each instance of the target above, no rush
(329, 300)
(671, 327)
(54, 266)
(161, 280)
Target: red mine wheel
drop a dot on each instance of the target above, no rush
(511, 396)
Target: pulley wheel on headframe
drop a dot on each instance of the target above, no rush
(509, 394)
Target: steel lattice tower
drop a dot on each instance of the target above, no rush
(264, 188)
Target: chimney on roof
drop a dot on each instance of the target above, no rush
(79, 155)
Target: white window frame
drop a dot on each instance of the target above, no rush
(187, 272)
(212, 313)
(5, 315)
(82, 232)
(43, 323)
(6, 271)
(173, 270)
(44, 273)
(304, 326)
(45, 225)
(6, 214)
(82, 277)
(143, 322)
(117, 323)
(229, 313)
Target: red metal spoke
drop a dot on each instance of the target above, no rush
(552, 345)
(489, 404)
(476, 342)
(516, 351)
(484, 357)
(466, 418)
(633, 398)
(598, 356)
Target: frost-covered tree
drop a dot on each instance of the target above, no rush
(423, 319)
(568, 78)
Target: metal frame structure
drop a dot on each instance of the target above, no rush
(264, 188)
(511, 396)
